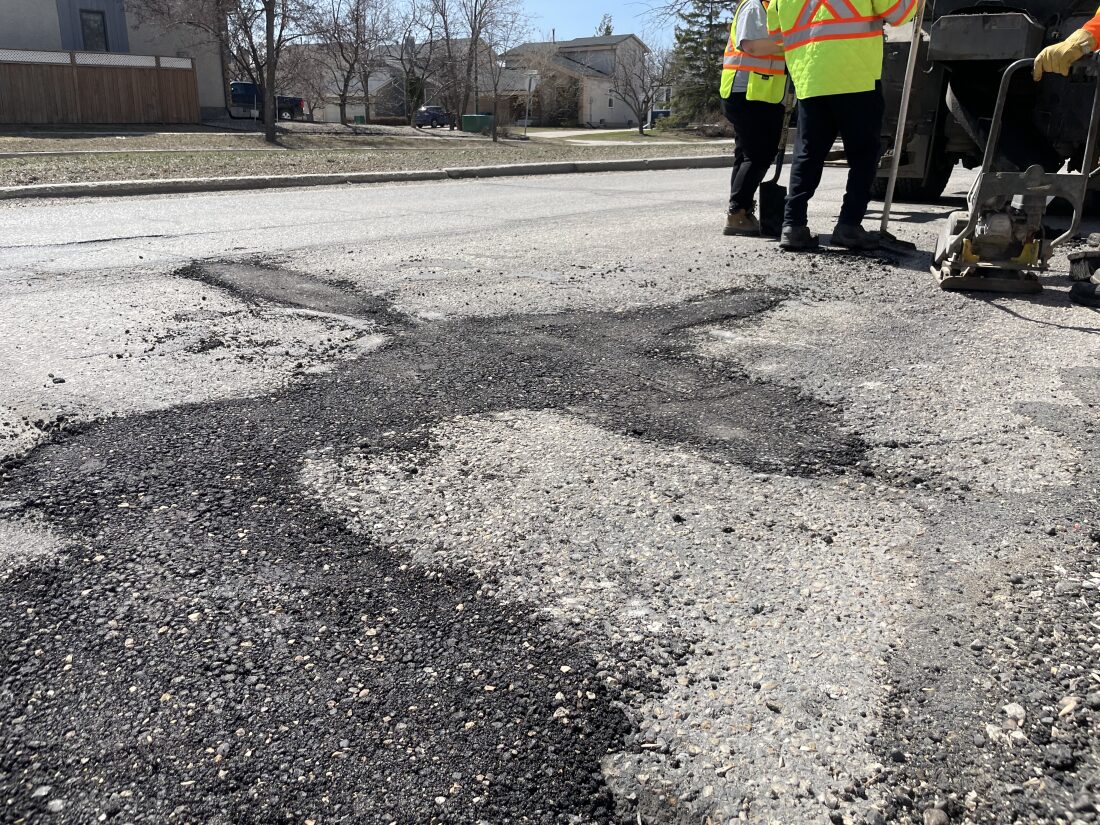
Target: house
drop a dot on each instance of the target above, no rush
(312, 71)
(577, 79)
(75, 52)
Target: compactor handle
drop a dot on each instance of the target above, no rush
(1002, 102)
(999, 112)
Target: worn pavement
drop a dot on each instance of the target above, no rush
(534, 500)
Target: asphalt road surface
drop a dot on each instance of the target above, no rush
(535, 501)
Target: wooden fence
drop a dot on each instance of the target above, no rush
(38, 87)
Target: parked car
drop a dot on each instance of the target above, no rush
(432, 116)
(246, 95)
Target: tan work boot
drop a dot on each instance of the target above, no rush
(741, 222)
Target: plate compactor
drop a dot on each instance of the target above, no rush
(1001, 244)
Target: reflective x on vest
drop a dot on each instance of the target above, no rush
(845, 23)
(835, 47)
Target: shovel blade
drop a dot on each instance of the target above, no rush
(773, 199)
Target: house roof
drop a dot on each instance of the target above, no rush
(557, 53)
(611, 41)
(584, 42)
(572, 67)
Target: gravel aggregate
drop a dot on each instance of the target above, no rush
(759, 601)
(118, 357)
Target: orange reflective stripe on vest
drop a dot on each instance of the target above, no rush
(835, 47)
(846, 23)
(900, 12)
(738, 61)
(766, 73)
(741, 62)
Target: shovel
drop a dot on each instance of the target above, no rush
(773, 197)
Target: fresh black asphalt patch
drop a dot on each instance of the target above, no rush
(214, 648)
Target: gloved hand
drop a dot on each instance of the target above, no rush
(1061, 56)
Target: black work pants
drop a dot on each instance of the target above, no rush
(857, 118)
(758, 127)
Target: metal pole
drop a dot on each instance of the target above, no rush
(531, 76)
(527, 118)
(906, 93)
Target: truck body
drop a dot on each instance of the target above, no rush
(246, 98)
(966, 48)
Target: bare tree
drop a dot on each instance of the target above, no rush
(418, 51)
(305, 72)
(665, 10)
(477, 17)
(350, 33)
(381, 28)
(259, 30)
(252, 32)
(504, 27)
(639, 76)
(463, 25)
(457, 56)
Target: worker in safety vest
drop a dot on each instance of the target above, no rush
(834, 51)
(1059, 58)
(754, 82)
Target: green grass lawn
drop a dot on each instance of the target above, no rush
(391, 156)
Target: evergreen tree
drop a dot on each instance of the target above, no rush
(606, 27)
(702, 30)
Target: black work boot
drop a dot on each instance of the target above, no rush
(797, 239)
(855, 238)
(1085, 293)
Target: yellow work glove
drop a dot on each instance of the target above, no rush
(1061, 56)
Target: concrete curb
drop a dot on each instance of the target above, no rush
(126, 188)
(190, 185)
(123, 188)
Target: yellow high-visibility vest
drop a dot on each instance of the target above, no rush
(767, 75)
(834, 47)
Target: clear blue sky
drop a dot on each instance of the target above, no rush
(579, 18)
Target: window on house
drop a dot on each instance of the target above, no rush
(610, 103)
(93, 29)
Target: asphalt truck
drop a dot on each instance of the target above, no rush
(966, 48)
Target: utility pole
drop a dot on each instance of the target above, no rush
(531, 77)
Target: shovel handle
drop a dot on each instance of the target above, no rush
(903, 114)
(782, 154)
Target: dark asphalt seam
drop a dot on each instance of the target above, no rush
(196, 539)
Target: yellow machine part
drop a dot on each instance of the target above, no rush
(1029, 256)
(968, 255)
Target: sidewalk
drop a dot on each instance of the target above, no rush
(536, 133)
